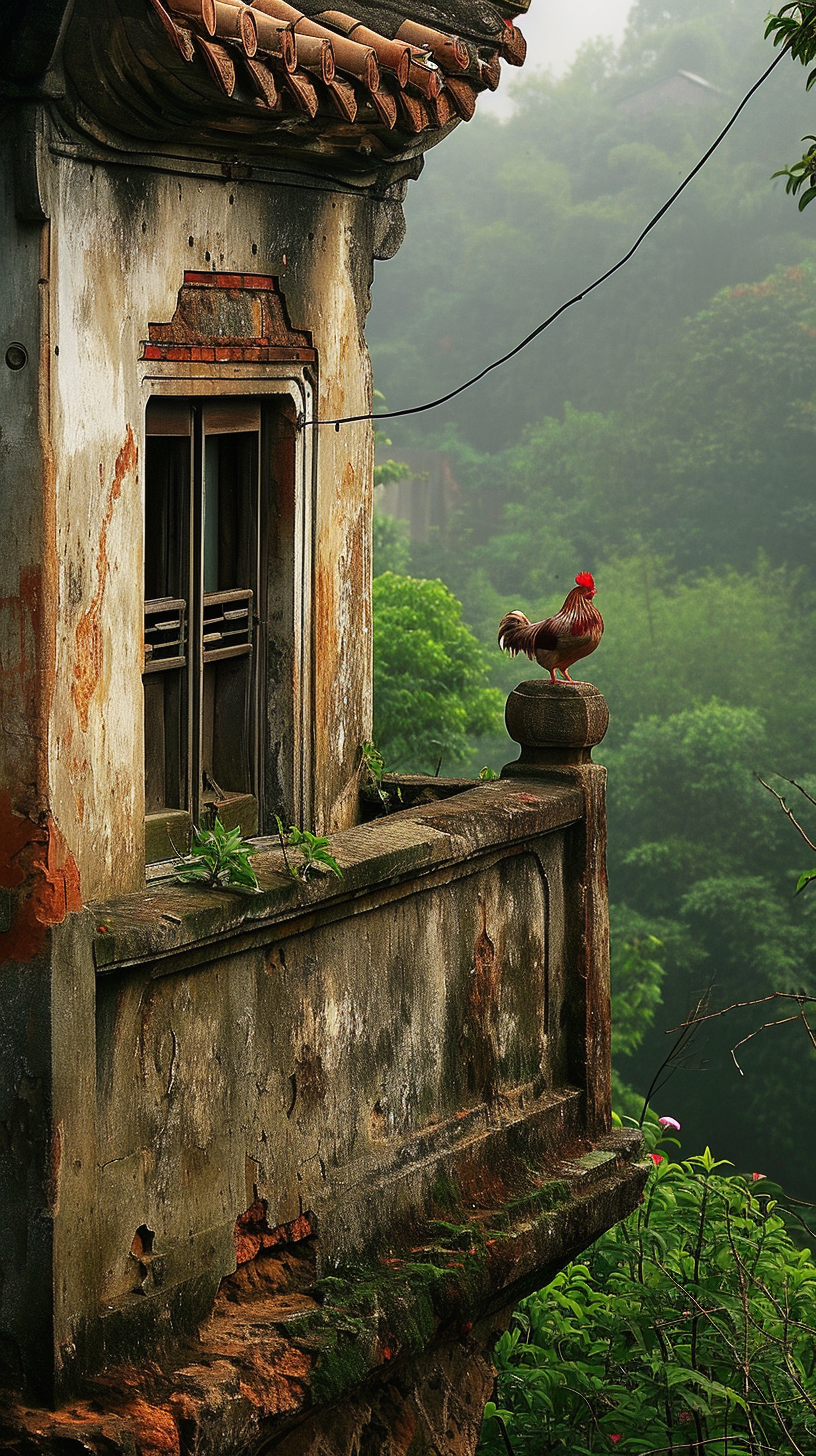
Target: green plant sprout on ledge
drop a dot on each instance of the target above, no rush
(373, 768)
(313, 850)
(219, 859)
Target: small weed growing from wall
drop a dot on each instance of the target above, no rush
(372, 767)
(315, 857)
(219, 859)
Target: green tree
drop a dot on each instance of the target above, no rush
(391, 544)
(431, 693)
(699, 852)
(638, 973)
(673, 643)
(711, 462)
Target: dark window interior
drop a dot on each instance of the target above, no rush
(203, 506)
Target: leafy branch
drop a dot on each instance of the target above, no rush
(687, 1328)
(372, 769)
(795, 28)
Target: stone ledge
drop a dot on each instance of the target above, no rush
(282, 1347)
(167, 918)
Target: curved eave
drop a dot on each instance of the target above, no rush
(162, 75)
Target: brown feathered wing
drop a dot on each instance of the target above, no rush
(518, 634)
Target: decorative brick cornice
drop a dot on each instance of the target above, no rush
(229, 318)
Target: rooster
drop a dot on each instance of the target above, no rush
(556, 644)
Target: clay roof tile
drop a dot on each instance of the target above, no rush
(366, 81)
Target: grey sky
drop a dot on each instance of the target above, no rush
(554, 32)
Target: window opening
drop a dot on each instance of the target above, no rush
(201, 683)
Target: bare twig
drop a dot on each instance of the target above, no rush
(694, 1020)
(695, 1446)
(784, 1021)
(798, 996)
(808, 1027)
(800, 787)
(670, 1063)
(794, 821)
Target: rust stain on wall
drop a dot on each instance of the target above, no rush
(88, 636)
(20, 642)
(484, 995)
(155, 1431)
(60, 893)
(19, 626)
(36, 861)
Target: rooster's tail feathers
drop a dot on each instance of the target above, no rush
(516, 634)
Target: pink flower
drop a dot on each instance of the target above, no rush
(757, 1177)
(684, 1416)
(656, 1158)
(669, 1122)
(614, 1440)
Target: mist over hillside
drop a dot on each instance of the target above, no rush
(661, 435)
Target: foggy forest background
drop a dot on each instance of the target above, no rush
(661, 435)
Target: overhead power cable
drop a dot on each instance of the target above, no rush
(419, 409)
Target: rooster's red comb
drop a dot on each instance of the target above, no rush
(584, 578)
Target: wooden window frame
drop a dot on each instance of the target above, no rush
(285, 689)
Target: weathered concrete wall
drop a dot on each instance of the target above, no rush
(302, 1069)
(335, 1054)
(390, 1357)
(140, 230)
(28, 883)
(298, 1066)
(91, 257)
(26, 653)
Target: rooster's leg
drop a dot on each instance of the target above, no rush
(565, 671)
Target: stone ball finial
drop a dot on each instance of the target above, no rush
(554, 723)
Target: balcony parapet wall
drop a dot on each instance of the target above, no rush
(339, 1127)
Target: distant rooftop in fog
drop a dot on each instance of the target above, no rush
(680, 88)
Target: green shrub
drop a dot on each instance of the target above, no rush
(431, 693)
(687, 1328)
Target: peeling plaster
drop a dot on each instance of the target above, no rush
(88, 636)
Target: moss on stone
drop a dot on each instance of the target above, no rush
(338, 1369)
(454, 1235)
(549, 1195)
(446, 1193)
(402, 1304)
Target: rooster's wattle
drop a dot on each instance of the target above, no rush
(556, 644)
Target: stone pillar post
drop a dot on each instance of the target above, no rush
(557, 725)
